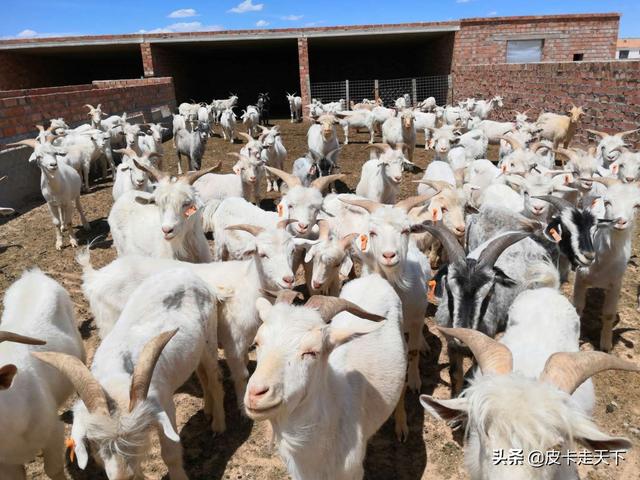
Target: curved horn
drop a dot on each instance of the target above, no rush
(559, 203)
(91, 109)
(437, 185)
(143, 371)
(29, 142)
(88, 388)
(535, 146)
(282, 224)
(246, 136)
(598, 133)
(151, 170)
(325, 229)
(570, 154)
(16, 338)
(492, 251)
(606, 181)
(331, 154)
(345, 242)
(568, 370)
(626, 132)
(126, 151)
(369, 205)
(493, 357)
(408, 203)
(286, 295)
(322, 183)
(288, 178)
(245, 227)
(448, 240)
(329, 307)
(191, 177)
(264, 129)
(515, 144)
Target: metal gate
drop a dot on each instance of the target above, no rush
(388, 90)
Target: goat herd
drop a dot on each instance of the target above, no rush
(488, 244)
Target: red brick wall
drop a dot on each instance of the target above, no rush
(305, 76)
(19, 113)
(483, 41)
(608, 91)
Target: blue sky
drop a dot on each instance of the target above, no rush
(29, 18)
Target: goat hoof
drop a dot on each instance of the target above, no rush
(218, 426)
(58, 246)
(402, 432)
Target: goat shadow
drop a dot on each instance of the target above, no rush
(98, 228)
(591, 324)
(386, 456)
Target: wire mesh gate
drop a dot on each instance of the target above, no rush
(388, 91)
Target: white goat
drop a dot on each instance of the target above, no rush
(273, 154)
(30, 392)
(128, 176)
(322, 136)
(610, 146)
(190, 142)
(250, 119)
(401, 130)
(166, 223)
(128, 393)
(482, 108)
(344, 379)
(295, 107)
(380, 177)
(357, 119)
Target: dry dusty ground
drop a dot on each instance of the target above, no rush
(432, 451)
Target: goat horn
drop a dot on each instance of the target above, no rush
(154, 172)
(151, 155)
(492, 251)
(345, 242)
(16, 338)
(437, 185)
(515, 144)
(559, 203)
(606, 181)
(286, 295)
(282, 224)
(454, 250)
(40, 128)
(288, 178)
(325, 229)
(535, 146)
(568, 370)
(492, 356)
(191, 177)
(626, 132)
(29, 142)
(264, 129)
(369, 205)
(332, 153)
(246, 136)
(88, 388)
(322, 183)
(598, 133)
(567, 153)
(254, 230)
(329, 307)
(143, 371)
(382, 147)
(408, 203)
(127, 151)
(90, 107)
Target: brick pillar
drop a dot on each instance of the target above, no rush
(147, 59)
(305, 79)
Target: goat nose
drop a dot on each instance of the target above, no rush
(316, 285)
(629, 179)
(389, 255)
(590, 255)
(288, 280)
(302, 227)
(167, 229)
(459, 229)
(258, 391)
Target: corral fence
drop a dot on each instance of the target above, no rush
(388, 90)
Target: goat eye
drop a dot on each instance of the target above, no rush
(444, 209)
(404, 231)
(372, 233)
(310, 354)
(263, 255)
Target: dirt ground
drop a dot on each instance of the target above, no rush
(242, 452)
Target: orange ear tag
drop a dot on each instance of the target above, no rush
(431, 292)
(280, 210)
(190, 211)
(567, 179)
(364, 240)
(554, 234)
(434, 214)
(503, 168)
(70, 444)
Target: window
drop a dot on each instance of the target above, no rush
(524, 51)
(577, 57)
(623, 54)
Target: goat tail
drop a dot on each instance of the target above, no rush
(542, 275)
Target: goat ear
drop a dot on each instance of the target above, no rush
(79, 446)
(263, 306)
(503, 279)
(346, 266)
(445, 409)
(167, 426)
(308, 256)
(587, 433)
(557, 227)
(7, 372)
(145, 198)
(334, 337)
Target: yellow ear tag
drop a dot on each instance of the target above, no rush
(431, 292)
(554, 234)
(70, 444)
(364, 240)
(280, 210)
(190, 211)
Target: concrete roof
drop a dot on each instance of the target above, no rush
(284, 33)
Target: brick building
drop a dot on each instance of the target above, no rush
(42, 77)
